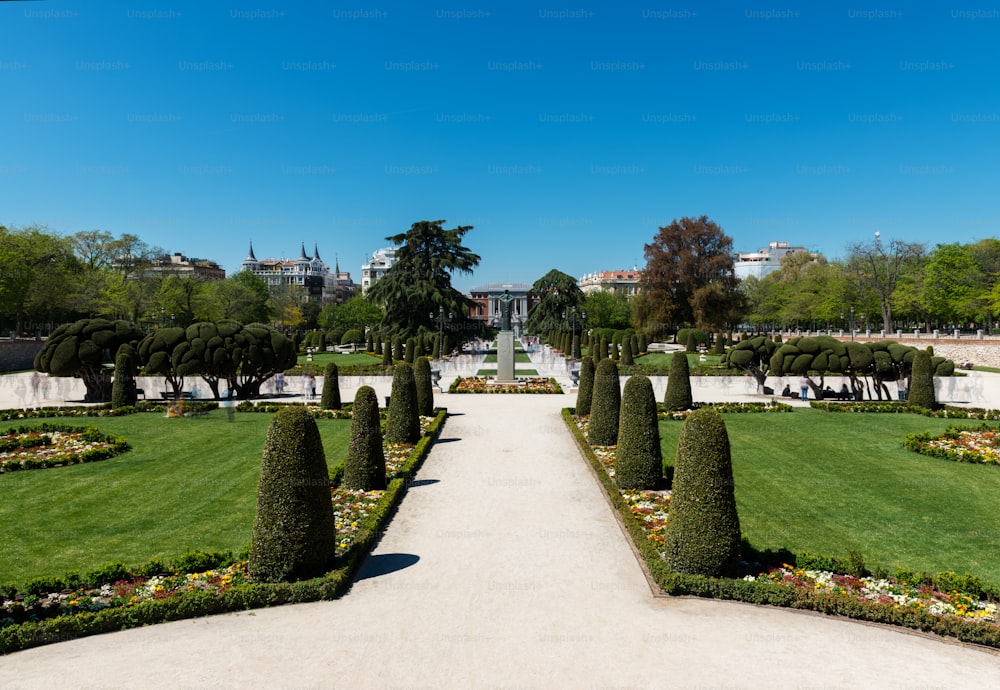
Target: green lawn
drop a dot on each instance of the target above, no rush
(320, 359)
(519, 357)
(188, 483)
(662, 359)
(829, 483)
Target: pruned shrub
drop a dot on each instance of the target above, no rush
(922, 383)
(425, 387)
(403, 424)
(330, 400)
(678, 393)
(638, 461)
(387, 354)
(411, 350)
(397, 348)
(585, 392)
(626, 353)
(293, 532)
(364, 469)
(605, 405)
(703, 532)
(123, 388)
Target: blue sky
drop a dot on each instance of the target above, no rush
(566, 134)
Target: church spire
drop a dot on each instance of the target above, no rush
(316, 252)
(250, 256)
(336, 264)
(302, 254)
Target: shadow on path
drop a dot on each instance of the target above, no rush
(377, 565)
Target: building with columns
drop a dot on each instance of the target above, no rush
(320, 283)
(487, 299)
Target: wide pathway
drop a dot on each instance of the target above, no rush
(505, 567)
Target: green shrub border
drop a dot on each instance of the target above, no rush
(675, 584)
(889, 406)
(240, 597)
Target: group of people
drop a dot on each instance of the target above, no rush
(804, 385)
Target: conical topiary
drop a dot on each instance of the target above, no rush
(605, 405)
(387, 354)
(719, 347)
(638, 461)
(403, 424)
(626, 356)
(330, 400)
(585, 392)
(425, 387)
(397, 349)
(378, 344)
(691, 342)
(369, 342)
(602, 347)
(703, 532)
(922, 382)
(293, 532)
(364, 469)
(410, 351)
(123, 389)
(678, 394)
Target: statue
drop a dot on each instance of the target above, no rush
(505, 301)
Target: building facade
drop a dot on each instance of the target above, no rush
(381, 261)
(622, 282)
(487, 299)
(315, 277)
(763, 261)
(179, 265)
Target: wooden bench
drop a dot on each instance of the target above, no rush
(169, 395)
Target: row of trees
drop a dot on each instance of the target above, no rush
(890, 284)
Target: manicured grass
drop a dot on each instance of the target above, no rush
(517, 372)
(828, 483)
(519, 356)
(662, 359)
(320, 359)
(188, 483)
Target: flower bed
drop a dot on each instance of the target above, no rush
(477, 384)
(945, 604)
(104, 410)
(55, 445)
(728, 407)
(979, 444)
(55, 610)
(900, 594)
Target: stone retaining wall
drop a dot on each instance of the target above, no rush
(16, 355)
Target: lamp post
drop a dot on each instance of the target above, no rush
(852, 324)
(440, 319)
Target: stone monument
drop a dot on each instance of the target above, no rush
(505, 342)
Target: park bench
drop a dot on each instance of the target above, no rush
(170, 395)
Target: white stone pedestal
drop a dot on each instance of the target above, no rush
(505, 357)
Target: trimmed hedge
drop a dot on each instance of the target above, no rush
(678, 393)
(605, 405)
(585, 392)
(703, 531)
(330, 400)
(425, 387)
(364, 468)
(403, 425)
(638, 460)
(922, 382)
(123, 389)
(293, 532)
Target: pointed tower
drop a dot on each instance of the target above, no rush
(250, 263)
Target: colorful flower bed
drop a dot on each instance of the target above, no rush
(55, 445)
(889, 590)
(479, 384)
(979, 444)
(729, 408)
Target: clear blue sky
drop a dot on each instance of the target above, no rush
(565, 133)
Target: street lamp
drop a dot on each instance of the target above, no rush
(440, 318)
(852, 324)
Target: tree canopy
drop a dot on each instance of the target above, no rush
(557, 293)
(419, 282)
(689, 277)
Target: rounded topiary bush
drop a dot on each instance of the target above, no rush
(922, 381)
(638, 461)
(585, 392)
(605, 405)
(626, 354)
(703, 531)
(293, 532)
(123, 388)
(330, 400)
(678, 393)
(425, 387)
(403, 424)
(364, 469)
